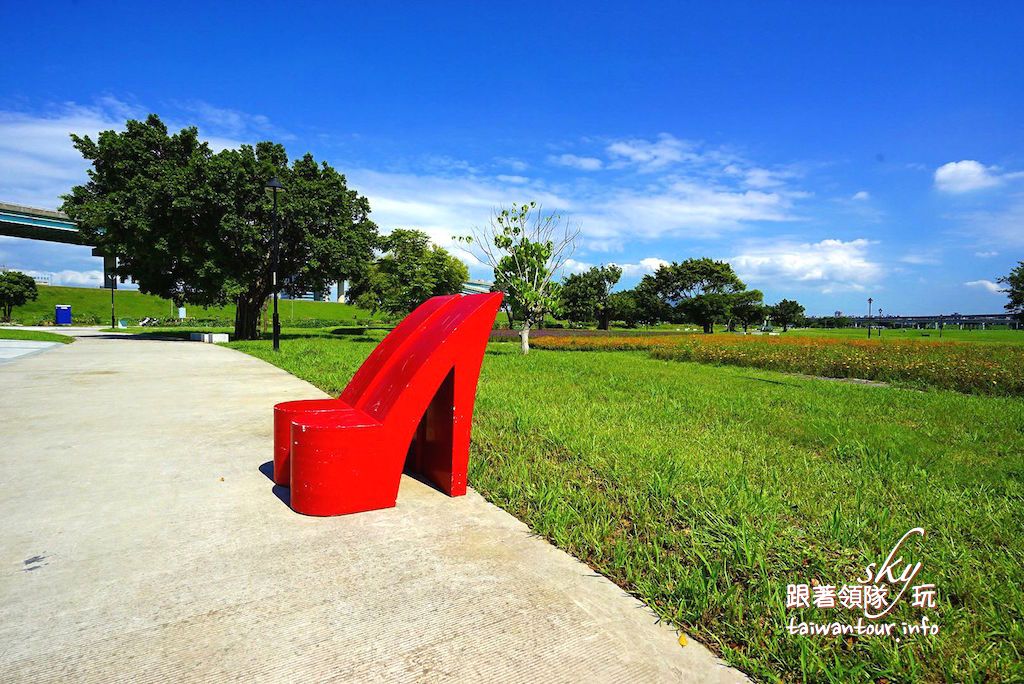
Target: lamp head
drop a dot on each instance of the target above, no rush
(274, 186)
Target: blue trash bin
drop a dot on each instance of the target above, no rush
(62, 314)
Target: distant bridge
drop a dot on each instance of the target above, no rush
(956, 319)
(39, 224)
(50, 226)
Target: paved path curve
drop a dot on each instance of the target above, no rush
(11, 350)
(140, 540)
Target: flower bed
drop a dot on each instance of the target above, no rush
(963, 367)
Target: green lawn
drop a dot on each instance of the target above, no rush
(38, 335)
(91, 306)
(705, 490)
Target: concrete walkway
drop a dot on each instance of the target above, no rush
(141, 540)
(16, 349)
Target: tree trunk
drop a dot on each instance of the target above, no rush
(604, 321)
(785, 327)
(744, 327)
(524, 339)
(709, 328)
(247, 317)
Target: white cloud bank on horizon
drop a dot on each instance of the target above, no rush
(828, 265)
(71, 278)
(714, 194)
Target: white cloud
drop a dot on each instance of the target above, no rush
(443, 206)
(512, 163)
(448, 165)
(38, 162)
(985, 284)
(635, 270)
(573, 161)
(644, 266)
(829, 265)
(1001, 226)
(965, 176)
(232, 123)
(682, 208)
(652, 155)
(448, 195)
(750, 176)
(574, 266)
(861, 196)
(926, 259)
(986, 255)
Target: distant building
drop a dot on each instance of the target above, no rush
(304, 296)
(476, 287)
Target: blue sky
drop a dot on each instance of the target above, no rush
(829, 151)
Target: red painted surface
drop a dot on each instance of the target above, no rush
(410, 405)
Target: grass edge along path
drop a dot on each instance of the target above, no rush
(36, 335)
(704, 490)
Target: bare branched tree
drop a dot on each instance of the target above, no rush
(526, 248)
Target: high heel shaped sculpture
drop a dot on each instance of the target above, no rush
(409, 405)
(286, 412)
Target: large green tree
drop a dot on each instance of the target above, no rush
(409, 271)
(1014, 282)
(586, 296)
(193, 225)
(748, 308)
(697, 290)
(786, 313)
(651, 308)
(16, 289)
(624, 306)
(525, 247)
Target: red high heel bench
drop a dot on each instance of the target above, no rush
(409, 404)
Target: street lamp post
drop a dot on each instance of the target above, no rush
(274, 186)
(879, 324)
(110, 278)
(870, 300)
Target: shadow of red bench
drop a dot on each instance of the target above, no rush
(409, 406)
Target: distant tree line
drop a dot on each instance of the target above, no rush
(701, 291)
